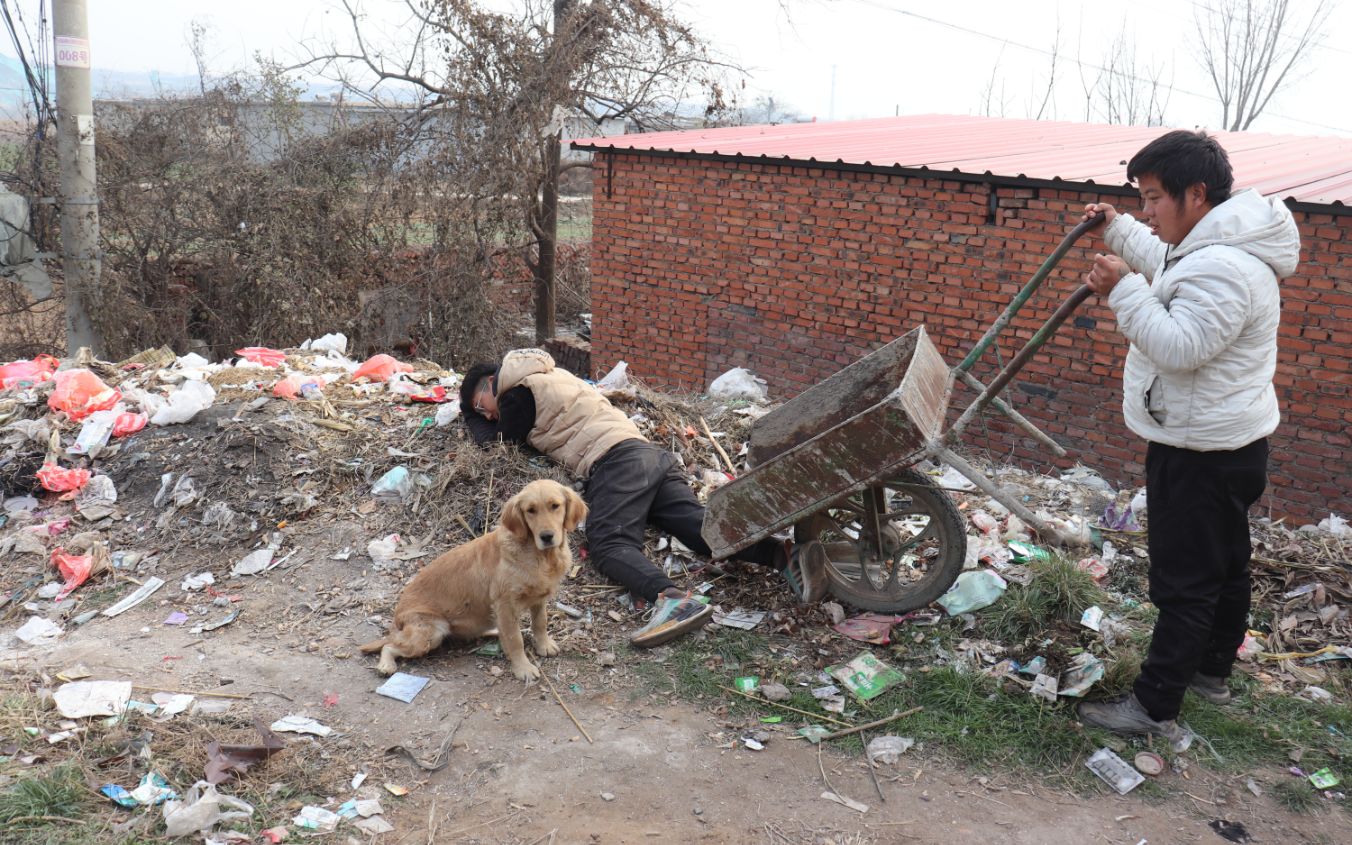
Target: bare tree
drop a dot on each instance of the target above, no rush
(1250, 48)
(1123, 90)
(508, 79)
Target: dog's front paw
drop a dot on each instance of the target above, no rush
(387, 665)
(526, 671)
(546, 647)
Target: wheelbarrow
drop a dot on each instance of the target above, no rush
(837, 465)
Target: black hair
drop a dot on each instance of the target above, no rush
(473, 379)
(1181, 159)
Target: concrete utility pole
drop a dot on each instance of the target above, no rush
(75, 151)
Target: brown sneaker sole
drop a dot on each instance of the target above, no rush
(672, 630)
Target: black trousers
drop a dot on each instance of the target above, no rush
(632, 485)
(1197, 504)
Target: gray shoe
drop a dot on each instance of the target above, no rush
(1213, 689)
(1127, 717)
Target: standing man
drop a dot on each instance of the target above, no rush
(1195, 290)
(629, 481)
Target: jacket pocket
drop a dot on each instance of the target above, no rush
(1155, 402)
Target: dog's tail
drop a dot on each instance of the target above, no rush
(374, 645)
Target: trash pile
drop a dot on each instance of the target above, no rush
(168, 475)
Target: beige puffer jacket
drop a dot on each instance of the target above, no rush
(574, 424)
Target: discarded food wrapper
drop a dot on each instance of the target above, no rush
(1119, 520)
(316, 818)
(875, 628)
(825, 691)
(1044, 687)
(373, 826)
(153, 790)
(1324, 779)
(395, 484)
(119, 795)
(82, 699)
(746, 684)
(301, 725)
(1034, 666)
(1085, 671)
(396, 789)
(402, 687)
(1092, 618)
(972, 591)
(738, 618)
(150, 586)
(754, 745)
(1094, 567)
(193, 583)
(1024, 552)
(888, 749)
(813, 733)
(39, 630)
(1114, 771)
(866, 676)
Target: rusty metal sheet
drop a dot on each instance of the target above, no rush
(880, 413)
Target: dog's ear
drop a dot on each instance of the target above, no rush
(513, 521)
(576, 510)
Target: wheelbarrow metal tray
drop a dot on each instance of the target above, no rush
(880, 413)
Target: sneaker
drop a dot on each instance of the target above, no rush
(805, 570)
(1210, 687)
(672, 617)
(1127, 717)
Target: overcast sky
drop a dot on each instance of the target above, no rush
(827, 59)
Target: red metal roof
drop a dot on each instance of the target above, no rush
(1297, 167)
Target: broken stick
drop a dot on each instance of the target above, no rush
(794, 709)
(857, 728)
(559, 699)
(717, 447)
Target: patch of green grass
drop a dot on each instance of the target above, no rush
(1262, 729)
(1298, 796)
(1058, 592)
(45, 799)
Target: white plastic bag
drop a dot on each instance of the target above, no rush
(201, 809)
(447, 413)
(616, 379)
(739, 383)
(1335, 525)
(185, 403)
(395, 484)
(95, 433)
(332, 342)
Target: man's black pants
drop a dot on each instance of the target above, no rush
(1197, 504)
(633, 484)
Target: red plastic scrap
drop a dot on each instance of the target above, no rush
(24, 373)
(262, 355)
(80, 393)
(74, 569)
(434, 396)
(60, 480)
(129, 424)
(293, 387)
(873, 628)
(380, 368)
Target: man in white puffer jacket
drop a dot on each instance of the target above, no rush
(1195, 290)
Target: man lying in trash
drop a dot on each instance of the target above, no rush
(629, 482)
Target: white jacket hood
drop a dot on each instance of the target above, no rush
(1202, 319)
(1248, 221)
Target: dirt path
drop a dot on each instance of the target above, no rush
(520, 772)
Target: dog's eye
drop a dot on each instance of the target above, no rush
(553, 506)
(530, 509)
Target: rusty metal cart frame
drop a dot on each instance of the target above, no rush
(837, 465)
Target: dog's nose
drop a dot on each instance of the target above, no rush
(547, 537)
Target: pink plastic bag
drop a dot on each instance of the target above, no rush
(80, 393)
(129, 424)
(380, 368)
(262, 355)
(59, 480)
(293, 387)
(74, 569)
(20, 373)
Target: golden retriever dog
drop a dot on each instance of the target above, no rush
(488, 582)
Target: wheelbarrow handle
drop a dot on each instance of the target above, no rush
(1028, 290)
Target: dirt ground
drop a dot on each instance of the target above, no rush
(520, 772)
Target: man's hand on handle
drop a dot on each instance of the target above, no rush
(1095, 209)
(1107, 271)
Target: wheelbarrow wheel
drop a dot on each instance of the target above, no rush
(895, 546)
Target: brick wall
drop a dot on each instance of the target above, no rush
(795, 271)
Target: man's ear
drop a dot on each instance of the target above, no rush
(513, 521)
(576, 511)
